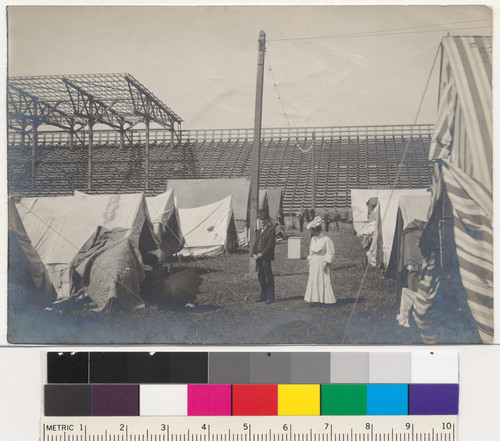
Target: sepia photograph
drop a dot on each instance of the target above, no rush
(238, 175)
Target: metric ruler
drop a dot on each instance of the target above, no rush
(252, 428)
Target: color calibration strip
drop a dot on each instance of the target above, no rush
(252, 367)
(185, 384)
(246, 399)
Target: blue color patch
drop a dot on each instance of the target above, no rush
(387, 399)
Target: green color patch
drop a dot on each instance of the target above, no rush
(343, 399)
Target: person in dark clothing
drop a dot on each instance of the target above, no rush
(336, 219)
(300, 217)
(281, 217)
(307, 215)
(312, 213)
(326, 218)
(263, 253)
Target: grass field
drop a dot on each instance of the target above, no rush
(226, 311)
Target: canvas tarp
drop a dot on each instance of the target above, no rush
(208, 230)
(109, 268)
(58, 227)
(411, 208)
(166, 223)
(194, 193)
(462, 152)
(274, 196)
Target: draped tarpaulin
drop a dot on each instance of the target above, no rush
(58, 227)
(107, 269)
(461, 148)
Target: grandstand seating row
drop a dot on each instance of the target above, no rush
(342, 163)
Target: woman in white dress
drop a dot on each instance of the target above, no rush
(321, 251)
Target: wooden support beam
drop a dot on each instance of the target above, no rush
(34, 145)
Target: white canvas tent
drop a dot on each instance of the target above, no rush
(209, 230)
(166, 222)
(194, 193)
(271, 199)
(25, 266)
(388, 205)
(58, 227)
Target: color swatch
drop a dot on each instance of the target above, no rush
(251, 383)
(252, 367)
(343, 399)
(251, 399)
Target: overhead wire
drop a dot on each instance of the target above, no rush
(398, 173)
(393, 31)
(283, 106)
(396, 179)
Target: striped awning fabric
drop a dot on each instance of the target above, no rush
(462, 145)
(466, 98)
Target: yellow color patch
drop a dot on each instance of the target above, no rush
(298, 399)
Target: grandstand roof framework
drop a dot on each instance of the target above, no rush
(75, 103)
(116, 100)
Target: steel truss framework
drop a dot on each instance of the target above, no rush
(75, 103)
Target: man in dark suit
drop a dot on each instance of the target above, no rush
(263, 253)
(326, 218)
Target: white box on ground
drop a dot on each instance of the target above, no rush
(295, 247)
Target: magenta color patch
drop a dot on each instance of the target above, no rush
(209, 399)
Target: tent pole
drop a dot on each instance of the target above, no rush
(254, 183)
(399, 288)
(91, 144)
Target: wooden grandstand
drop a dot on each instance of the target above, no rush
(346, 158)
(105, 143)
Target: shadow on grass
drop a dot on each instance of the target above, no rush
(206, 270)
(341, 267)
(349, 301)
(300, 273)
(198, 309)
(286, 299)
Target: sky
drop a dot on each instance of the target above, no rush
(331, 65)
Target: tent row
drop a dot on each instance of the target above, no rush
(439, 244)
(100, 243)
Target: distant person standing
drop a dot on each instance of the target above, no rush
(336, 219)
(281, 217)
(300, 217)
(263, 253)
(312, 213)
(326, 219)
(307, 215)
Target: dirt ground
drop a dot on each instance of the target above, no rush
(226, 311)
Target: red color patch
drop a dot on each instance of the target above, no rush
(255, 399)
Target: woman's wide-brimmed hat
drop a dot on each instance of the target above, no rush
(316, 222)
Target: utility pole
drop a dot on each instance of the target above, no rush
(254, 183)
(146, 153)
(313, 172)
